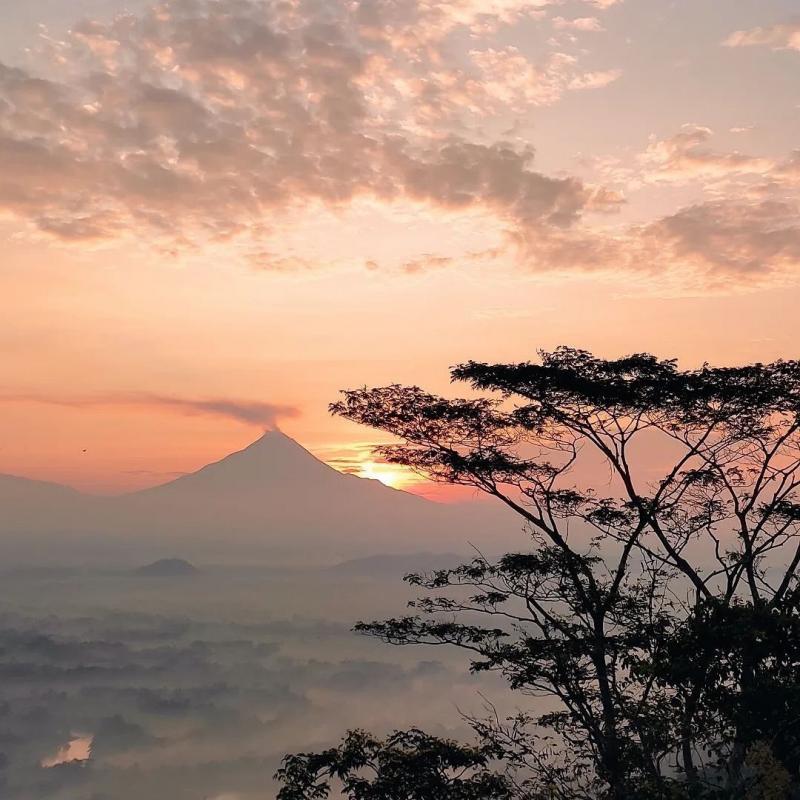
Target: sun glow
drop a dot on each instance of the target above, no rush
(392, 475)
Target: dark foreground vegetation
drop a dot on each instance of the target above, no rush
(652, 616)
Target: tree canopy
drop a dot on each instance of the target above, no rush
(408, 764)
(656, 601)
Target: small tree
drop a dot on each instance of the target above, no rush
(660, 615)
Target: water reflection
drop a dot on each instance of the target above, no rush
(79, 748)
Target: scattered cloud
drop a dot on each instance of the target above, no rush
(783, 36)
(747, 241)
(717, 244)
(595, 80)
(270, 261)
(577, 24)
(510, 79)
(686, 156)
(158, 126)
(789, 169)
(743, 233)
(408, 23)
(427, 262)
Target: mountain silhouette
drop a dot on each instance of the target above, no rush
(167, 568)
(272, 502)
(27, 506)
(273, 462)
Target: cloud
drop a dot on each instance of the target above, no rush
(783, 36)
(789, 169)
(508, 78)
(577, 24)
(744, 234)
(351, 457)
(250, 412)
(270, 261)
(161, 126)
(717, 244)
(427, 262)
(200, 122)
(686, 157)
(594, 80)
(745, 240)
(405, 23)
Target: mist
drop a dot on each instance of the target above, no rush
(195, 686)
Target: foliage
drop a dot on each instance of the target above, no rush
(662, 615)
(408, 765)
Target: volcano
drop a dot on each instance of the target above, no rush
(272, 501)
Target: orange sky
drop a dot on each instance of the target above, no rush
(295, 340)
(217, 232)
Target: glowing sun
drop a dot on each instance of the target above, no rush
(390, 474)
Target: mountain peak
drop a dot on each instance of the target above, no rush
(167, 568)
(273, 444)
(272, 437)
(272, 460)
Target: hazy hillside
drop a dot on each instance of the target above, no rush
(271, 501)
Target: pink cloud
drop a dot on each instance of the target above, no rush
(685, 156)
(211, 121)
(783, 36)
(199, 120)
(510, 79)
(578, 24)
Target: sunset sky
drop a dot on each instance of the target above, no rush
(215, 215)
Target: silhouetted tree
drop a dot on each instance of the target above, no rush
(660, 614)
(408, 764)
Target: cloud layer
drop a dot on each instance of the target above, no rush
(209, 118)
(250, 412)
(205, 121)
(202, 697)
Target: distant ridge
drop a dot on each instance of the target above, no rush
(14, 483)
(167, 568)
(273, 502)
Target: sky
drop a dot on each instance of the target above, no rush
(216, 215)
